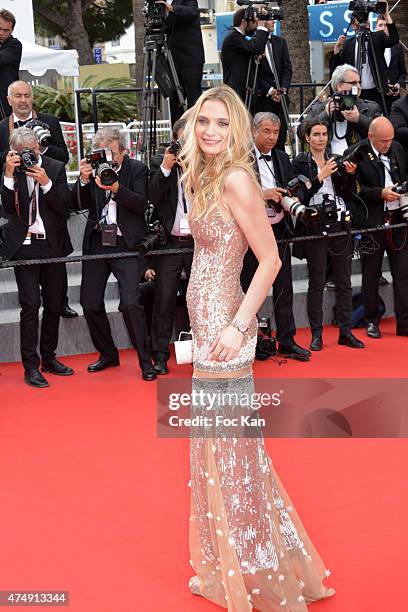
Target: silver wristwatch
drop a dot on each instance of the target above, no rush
(242, 327)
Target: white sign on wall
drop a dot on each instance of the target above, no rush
(23, 12)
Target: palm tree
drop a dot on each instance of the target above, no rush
(138, 19)
(295, 29)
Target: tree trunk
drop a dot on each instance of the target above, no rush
(76, 35)
(295, 29)
(138, 19)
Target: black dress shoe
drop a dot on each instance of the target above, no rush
(316, 343)
(351, 341)
(56, 367)
(373, 331)
(149, 373)
(161, 367)
(67, 312)
(294, 351)
(34, 378)
(102, 364)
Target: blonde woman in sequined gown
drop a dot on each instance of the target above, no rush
(248, 547)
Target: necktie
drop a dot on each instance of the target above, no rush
(33, 212)
(267, 158)
(20, 123)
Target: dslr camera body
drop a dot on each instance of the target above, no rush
(344, 101)
(402, 191)
(28, 158)
(290, 201)
(325, 212)
(103, 166)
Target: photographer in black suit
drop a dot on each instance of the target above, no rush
(345, 52)
(384, 166)
(237, 51)
(185, 42)
(274, 172)
(166, 194)
(20, 97)
(399, 119)
(345, 127)
(397, 71)
(10, 58)
(36, 201)
(268, 97)
(116, 223)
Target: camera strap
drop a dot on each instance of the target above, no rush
(11, 122)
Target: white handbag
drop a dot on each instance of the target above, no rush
(184, 348)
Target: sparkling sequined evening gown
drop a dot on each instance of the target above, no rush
(248, 546)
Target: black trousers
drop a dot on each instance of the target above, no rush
(282, 291)
(373, 95)
(35, 284)
(190, 80)
(168, 272)
(371, 266)
(95, 276)
(316, 253)
(265, 104)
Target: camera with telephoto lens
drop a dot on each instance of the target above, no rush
(355, 156)
(402, 191)
(28, 159)
(290, 202)
(174, 147)
(344, 101)
(325, 212)
(41, 130)
(270, 11)
(156, 237)
(362, 8)
(103, 165)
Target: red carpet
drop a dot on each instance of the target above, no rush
(92, 502)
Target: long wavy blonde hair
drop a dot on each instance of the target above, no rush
(204, 178)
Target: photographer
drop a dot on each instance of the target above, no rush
(237, 51)
(166, 193)
(10, 57)
(115, 224)
(399, 119)
(350, 124)
(274, 171)
(345, 52)
(395, 60)
(35, 197)
(384, 166)
(185, 42)
(20, 97)
(326, 185)
(268, 96)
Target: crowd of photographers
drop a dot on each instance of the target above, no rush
(352, 173)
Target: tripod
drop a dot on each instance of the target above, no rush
(158, 67)
(363, 36)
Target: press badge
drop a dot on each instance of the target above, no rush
(185, 226)
(109, 233)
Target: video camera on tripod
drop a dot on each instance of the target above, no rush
(155, 15)
(271, 11)
(362, 8)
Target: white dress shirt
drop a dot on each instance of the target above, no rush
(385, 160)
(181, 199)
(109, 211)
(367, 79)
(339, 142)
(268, 181)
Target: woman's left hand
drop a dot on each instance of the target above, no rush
(226, 345)
(350, 167)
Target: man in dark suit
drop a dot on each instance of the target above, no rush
(345, 52)
(20, 97)
(237, 51)
(166, 194)
(345, 127)
(36, 202)
(397, 71)
(275, 171)
(185, 42)
(116, 223)
(10, 57)
(399, 119)
(384, 166)
(268, 98)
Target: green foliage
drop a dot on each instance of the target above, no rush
(104, 20)
(111, 106)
